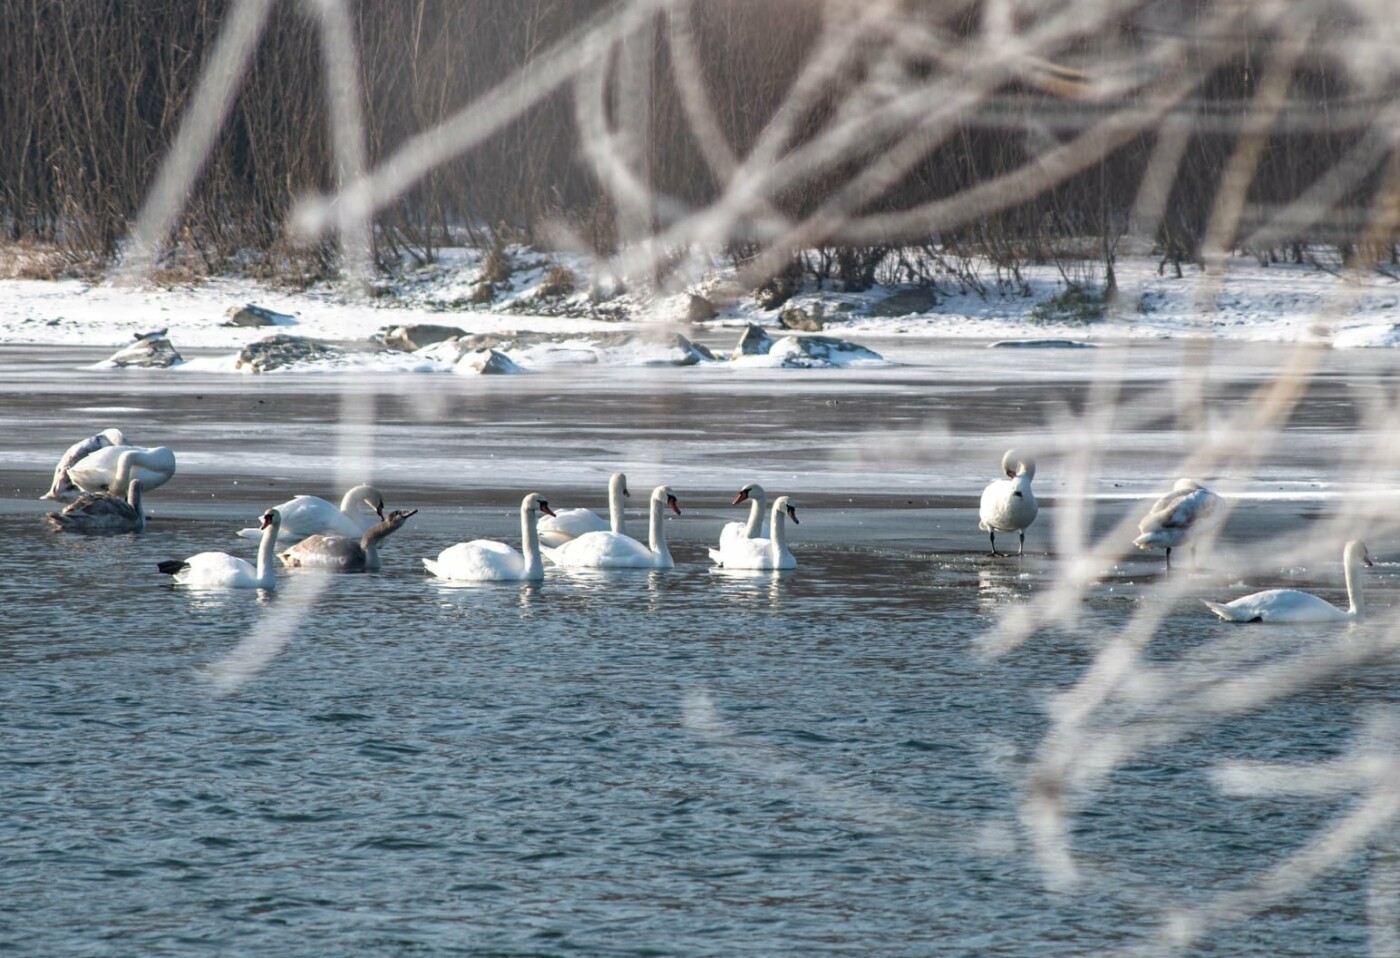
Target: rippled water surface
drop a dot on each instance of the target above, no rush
(687, 763)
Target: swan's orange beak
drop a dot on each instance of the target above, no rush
(266, 520)
(792, 514)
(675, 507)
(544, 507)
(741, 497)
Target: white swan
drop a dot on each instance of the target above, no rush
(610, 550)
(98, 513)
(567, 524)
(360, 509)
(1294, 606)
(219, 570)
(759, 553)
(1189, 511)
(1008, 505)
(755, 527)
(100, 471)
(485, 560)
(337, 553)
(62, 488)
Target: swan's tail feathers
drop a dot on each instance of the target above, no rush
(172, 566)
(549, 554)
(431, 565)
(716, 557)
(553, 537)
(1227, 613)
(251, 533)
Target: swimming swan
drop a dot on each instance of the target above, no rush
(611, 550)
(360, 510)
(1008, 505)
(63, 488)
(99, 513)
(560, 527)
(100, 471)
(337, 553)
(759, 553)
(1189, 511)
(485, 560)
(1294, 606)
(219, 570)
(755, 527)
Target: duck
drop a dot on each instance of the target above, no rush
(100, 471)
(566, 524)
(219, 570)
(1186, 513)
(334, 552)
(761, 553)
(1008, 505)
(755, 527)
(485, 560)
(1293, 606)
(612, 550)
(360, 509)
(63, 489)
(99, 513)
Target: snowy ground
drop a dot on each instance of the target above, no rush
(1255, 303)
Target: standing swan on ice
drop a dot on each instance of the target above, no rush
(1188, 512)
(101, 471)
(360, 510)
(63, 488)
(754, 528)
(98, 513)
(1294, 606)
(560, 527)
(337, 553)
(1008, 505)
(485, 560)
(738, 552)
(609, 550)
(219, 570)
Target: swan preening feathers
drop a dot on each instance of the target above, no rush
(360, 509)
(485, 560)
(111, 467)
(1292, 606)
(1190, 511)
(63, 488)
(1008, 505)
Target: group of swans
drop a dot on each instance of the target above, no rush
(102, 479)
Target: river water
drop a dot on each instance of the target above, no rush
(683, 763)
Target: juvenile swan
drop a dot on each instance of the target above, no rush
(760, 553)
(611, 550)
(337, 553)
(360, 510)
(1008, 505)
(755, 527)
(1186, 513)
(485, 560)
(219, 570)
(560, 527)
(63, 488)
(99, 513)
(1294, 606)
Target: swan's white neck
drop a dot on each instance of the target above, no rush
(133, 499)
(126, 462)
(617, 511)
(267, 552)
(1354, 587)
(778, 544)
(755, 527)
(530, 538)
(656, 535)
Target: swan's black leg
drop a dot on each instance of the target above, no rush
(1169, 558)
(994, 544)
(1022, 551)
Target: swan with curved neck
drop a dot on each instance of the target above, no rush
(360, 509)
(337, 553)
(63, 488)
(755, 527)
(110, 468)
(760, 553)
(612, 550)
(1008, 505)
(485, 560)
(1188, 512)
(99, 513)
(1291, 606)
(568, 524)
(219, 570)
